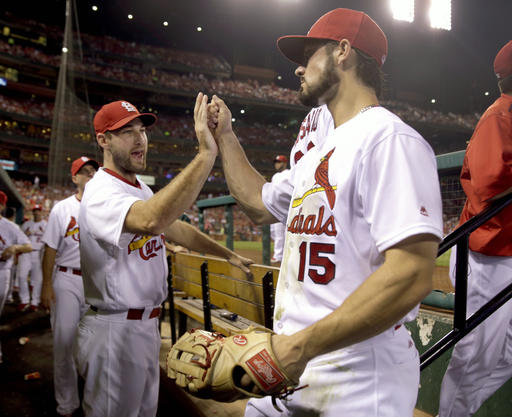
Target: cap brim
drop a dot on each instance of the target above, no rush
(292, 46)
(147, 119)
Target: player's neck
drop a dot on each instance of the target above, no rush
(129, 176)
(349, 102)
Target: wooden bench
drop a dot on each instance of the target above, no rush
(219, 295)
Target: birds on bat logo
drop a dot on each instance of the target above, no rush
(73, 230)
(321, 179)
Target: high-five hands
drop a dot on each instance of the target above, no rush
(204, 134)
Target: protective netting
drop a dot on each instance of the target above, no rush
(72, 129)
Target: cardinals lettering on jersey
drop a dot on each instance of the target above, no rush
(73, 230)
(147, 246)
(313, 224)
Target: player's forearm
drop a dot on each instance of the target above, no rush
(47, 264)
(244, 182)
(192, 238)
(156, 214)
(25, 248)
(381, 301)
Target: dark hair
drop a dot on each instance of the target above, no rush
(505, 85)
(368, 70)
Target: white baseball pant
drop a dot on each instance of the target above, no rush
(66, 312)
(277, 234)
(482, 361)
(22, 271)
(375, 378)
(5, 277)
(118, 358)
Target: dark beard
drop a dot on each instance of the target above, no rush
(328, 80)
(124, 163)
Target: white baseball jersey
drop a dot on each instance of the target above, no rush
(371, 184)
(120, 270)
(10, 234)
(315, 128)
(62, 233)
(35, 232)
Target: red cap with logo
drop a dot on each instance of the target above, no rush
(503, 62)
(36, 207)
(3, 198)
(357, 27)
(280, 158)
(80, 162)
(115, 115)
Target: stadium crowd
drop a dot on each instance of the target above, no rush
(121, 68)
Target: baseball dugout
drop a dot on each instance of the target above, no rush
(219, 295)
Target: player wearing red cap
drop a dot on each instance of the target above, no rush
(122, 255)
(12, 242)
(63, 289)
(364, 218)
(481, 362)
(34, 229)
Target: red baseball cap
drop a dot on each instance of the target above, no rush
(503, 62)
(80, 162)
(3, 198)
(357, 27)
(36, 207)
(115, 115)
(280, 158)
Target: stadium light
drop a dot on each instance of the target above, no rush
(486, 93)
(440, 14)
(433, 100)
(95, 8)
(166, 23)
(242, 111)
(64, 49)
(130, 16)
(199, 28)
(279, 77)
(233, 119)
(403, 10)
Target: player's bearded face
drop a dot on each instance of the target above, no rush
(318, 90)
(129, 148)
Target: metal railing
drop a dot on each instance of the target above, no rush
(461, 325)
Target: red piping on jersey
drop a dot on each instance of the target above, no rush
(115, 174)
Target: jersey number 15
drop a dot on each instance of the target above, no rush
(316, 260)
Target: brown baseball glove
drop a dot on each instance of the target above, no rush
(209, 365)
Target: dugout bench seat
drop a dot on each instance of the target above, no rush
(218, 295)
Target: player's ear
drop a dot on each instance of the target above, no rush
(102, 139)
(342, 52)
(74, 179)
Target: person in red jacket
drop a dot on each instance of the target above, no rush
(481, 362)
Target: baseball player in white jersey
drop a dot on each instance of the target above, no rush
(122, 231)
(12, 242)
(34, 229)
(63, 289)
(364, 219)
(278, 230)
